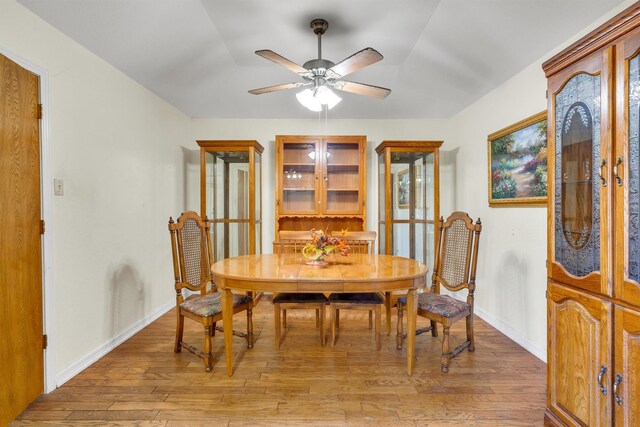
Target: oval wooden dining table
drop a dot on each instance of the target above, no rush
(343, 274)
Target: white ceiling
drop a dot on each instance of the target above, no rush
(439, 55)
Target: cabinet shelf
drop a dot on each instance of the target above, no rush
(298, 189)
(343, 189)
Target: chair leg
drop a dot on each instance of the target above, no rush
(370, 319)
(444, 361)
(208, 357)
(317, 317)
(434, 328)
(387, 310)
(334, 324)
(337, 318)
(249, 327)
(277, 324)
(378, 326)
(179, 331)
(399, 332)
(320, 313)
(213, 329)
(284, 318)
(472, 346)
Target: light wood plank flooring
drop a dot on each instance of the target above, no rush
(144, 383)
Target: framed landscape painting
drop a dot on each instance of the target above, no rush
(518, 163)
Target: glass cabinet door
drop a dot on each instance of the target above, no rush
(627, 181)
(408, 198)
(342, 178)
(579, 188)
(231, 195)
(228, 204)
(300, 177)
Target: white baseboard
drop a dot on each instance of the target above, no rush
(540, 353)
(75, 368)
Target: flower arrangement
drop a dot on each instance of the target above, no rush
(322, 245)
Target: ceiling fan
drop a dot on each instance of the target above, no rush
(320, 74)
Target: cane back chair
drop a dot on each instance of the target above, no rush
(191, 249)
(359, 242)
(456, 257)
(293, 242)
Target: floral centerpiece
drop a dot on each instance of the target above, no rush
(321, 246)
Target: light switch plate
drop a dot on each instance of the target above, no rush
(58, 187)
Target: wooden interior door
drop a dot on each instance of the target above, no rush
(21, 342)
(579, 349)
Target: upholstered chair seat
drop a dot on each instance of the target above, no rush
(442, 305)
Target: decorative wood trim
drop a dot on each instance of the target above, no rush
(603, 36)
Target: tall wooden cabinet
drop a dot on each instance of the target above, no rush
(593, 293)
(321, 182)
(408, 198)
(231, 196)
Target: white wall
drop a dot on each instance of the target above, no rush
(512, 261)
(118, 148)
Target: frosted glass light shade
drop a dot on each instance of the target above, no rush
(315, 98)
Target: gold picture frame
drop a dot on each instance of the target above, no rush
(517, 163)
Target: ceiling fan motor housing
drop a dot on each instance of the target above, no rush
(319, 26)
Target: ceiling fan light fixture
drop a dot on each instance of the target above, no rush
(326, 96)
(306, 99)
(315, 98)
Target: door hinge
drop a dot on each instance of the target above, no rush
(45, 342)
(39, 112)
(546, 294)
(42, 226)
(546, 94)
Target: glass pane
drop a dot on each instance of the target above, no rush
(401, 244)
(634, 169)
(382, 243)
(298, 178)
(420, 242)
(258, 231)
(258, 201)
(577, 189)
(230, 239)
(382, 190)
(343, 177)
(577, 163)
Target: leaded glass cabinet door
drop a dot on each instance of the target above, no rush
(579, 169)
(627, 213)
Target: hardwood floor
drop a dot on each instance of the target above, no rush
(144, 383)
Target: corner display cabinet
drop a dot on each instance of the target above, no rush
(409, 198)
(593, 293)
(321, 182)
(231, 196)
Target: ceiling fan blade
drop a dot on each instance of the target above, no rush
(275, 88)
(281, 60)
(355, 62)
(362, 89)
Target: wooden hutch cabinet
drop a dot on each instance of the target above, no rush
(231, 196)
(321, 182)
(408, 198)
(593, 293)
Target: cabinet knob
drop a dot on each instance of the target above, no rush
(603, 389)
(616, 170)
(615, 389)
(602, 178)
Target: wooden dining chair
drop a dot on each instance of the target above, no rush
(456, 258)
(293, 242)
(191, 250)
(359, 242)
